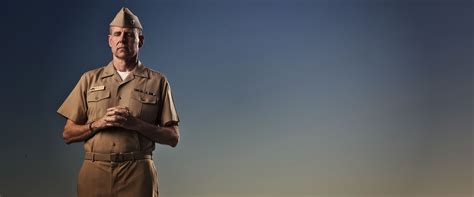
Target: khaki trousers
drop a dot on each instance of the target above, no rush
(118, 179)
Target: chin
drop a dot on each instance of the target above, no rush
(122, 55)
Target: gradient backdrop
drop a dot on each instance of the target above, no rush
(276, 97)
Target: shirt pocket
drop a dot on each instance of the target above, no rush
(97, 103)
(146, 104)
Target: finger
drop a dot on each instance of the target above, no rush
(120, 119)
(125, 114)
(113, 124)
(122, 112)
(117, 112)
(126, 108)
(116, 124)
(114, 114)
(109, 119)
(115, 118)
(111, 113)
(123, 109)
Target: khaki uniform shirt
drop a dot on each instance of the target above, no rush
(145, 92)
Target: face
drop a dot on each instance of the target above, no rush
(124, 42)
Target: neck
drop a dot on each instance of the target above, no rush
(124, 65)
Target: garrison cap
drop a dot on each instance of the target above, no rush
(125, 18)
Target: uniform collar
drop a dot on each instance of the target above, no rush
(140, 70)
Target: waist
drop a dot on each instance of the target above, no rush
(118, 141)
(117, 157)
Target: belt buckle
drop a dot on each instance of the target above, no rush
(116, 157)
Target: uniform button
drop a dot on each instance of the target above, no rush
(113, 144)
(96, 98)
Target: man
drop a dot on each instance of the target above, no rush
(120, 111)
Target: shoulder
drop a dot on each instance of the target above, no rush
(155, 75)
(93, 74)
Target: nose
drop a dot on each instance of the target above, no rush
(122, 37)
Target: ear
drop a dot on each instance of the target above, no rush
(109, 39)
(140, 41)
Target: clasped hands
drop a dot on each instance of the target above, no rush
(118, 116)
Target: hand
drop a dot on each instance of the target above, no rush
(116, 117)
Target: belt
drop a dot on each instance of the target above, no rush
(117, 157)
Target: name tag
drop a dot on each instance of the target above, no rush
(97, 88)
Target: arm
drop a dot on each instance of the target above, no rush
(76, 132)
(80, 132)
(168, 135)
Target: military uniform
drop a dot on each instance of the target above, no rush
(118, 161)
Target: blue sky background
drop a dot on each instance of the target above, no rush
(276, 97)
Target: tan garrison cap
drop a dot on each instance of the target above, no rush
(125, 18)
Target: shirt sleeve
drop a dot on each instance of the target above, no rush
(75, 105)
(167, 116)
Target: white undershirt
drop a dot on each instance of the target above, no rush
(124, 74)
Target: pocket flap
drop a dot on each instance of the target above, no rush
(144, 98)
(97, 96)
